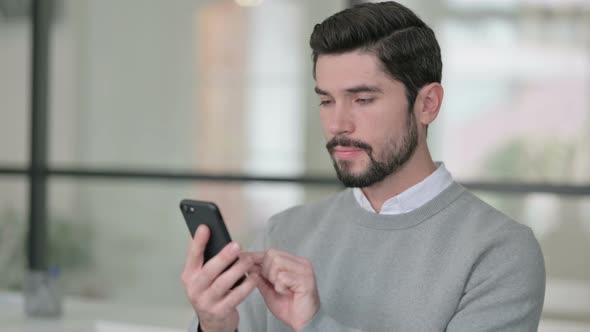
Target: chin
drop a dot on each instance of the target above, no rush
(353, 172)
(355, 166)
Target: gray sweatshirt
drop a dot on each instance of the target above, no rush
(454, 264)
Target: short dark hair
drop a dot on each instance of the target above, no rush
(405, 45)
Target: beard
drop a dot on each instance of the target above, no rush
(394, 155)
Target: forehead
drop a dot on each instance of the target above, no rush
(335, 72)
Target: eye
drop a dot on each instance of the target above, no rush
(364, 101)
(325, 102)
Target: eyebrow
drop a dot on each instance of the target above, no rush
(320, 91)
(352, 90)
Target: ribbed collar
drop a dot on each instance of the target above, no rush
(413, 197)
(399, 221)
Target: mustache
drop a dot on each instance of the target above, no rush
(349, 142)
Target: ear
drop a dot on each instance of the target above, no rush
(428, 102)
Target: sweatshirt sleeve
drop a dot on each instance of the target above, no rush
(323, 322)
(506, 287)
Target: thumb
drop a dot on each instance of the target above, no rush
(266, 289)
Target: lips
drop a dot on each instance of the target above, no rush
(346, 152)
(346, 148)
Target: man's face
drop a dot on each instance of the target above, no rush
(365, 117)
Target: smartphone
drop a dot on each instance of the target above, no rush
(207, 213)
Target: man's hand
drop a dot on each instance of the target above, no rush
(208, 287)
(287, 284)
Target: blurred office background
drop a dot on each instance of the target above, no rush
(153, 101)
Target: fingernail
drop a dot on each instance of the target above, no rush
(235, 247)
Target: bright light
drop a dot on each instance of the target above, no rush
(249, 3)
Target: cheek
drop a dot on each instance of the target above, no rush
(324, 119)
(374, 127)
(383, 135)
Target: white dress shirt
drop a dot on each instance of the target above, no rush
(414, 197)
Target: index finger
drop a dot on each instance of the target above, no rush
(194, 259)
(257, 257)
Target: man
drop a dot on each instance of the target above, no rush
(405, 248)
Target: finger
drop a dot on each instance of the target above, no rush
(288, 282)
(289, 256)
(194, 259)
(257, 257)
(223, 284)
(216, 265)
(255, 269)
(239, 294)
(271, 263)
(265, 288)
(277, 262)
(302, 260)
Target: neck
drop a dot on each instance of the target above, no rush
(418, 168)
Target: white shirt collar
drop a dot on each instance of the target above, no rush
(414, 197)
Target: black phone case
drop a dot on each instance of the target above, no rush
(200, 212)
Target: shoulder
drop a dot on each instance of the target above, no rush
(482, 220)
(502, 248)
(492, 240)
(507, 268)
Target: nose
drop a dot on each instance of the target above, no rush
(341, 121)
